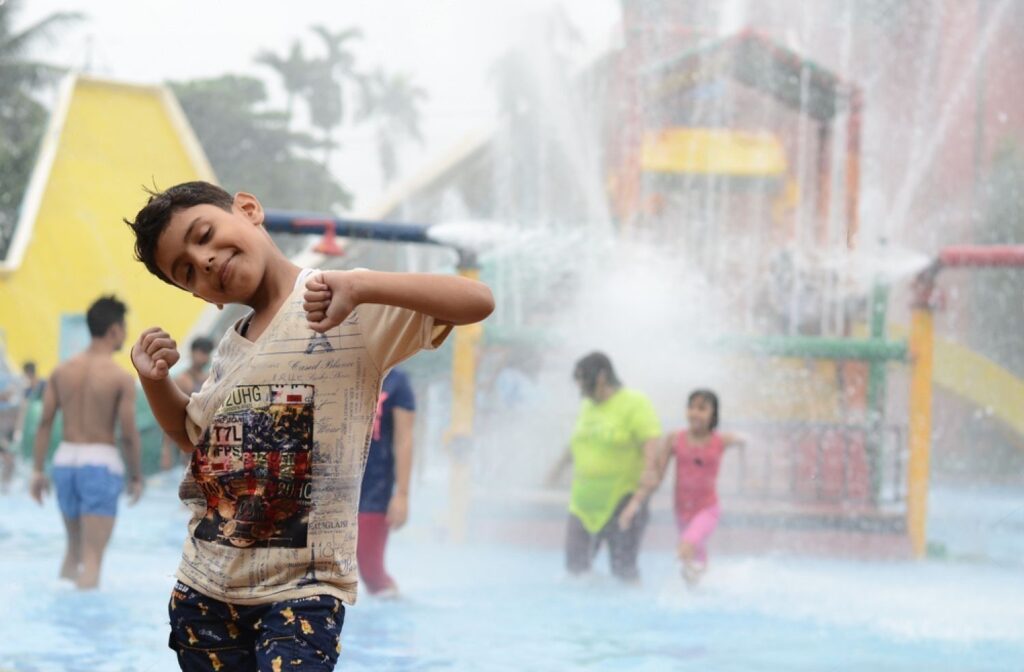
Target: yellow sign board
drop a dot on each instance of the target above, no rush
(713, 151)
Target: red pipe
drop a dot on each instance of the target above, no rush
(982, 255)
(853, 124)
(328, 245)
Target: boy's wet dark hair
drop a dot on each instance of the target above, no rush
(201, 344)
(29, 368)
(587, 369)
(711, 398)
(104, 313)
(153, 218)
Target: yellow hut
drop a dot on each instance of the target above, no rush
(105, 141)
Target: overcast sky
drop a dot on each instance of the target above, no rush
(447, 45)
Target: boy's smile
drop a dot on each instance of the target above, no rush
(212, 253)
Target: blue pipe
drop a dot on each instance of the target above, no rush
(283, 221)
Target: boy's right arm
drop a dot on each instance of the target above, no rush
(153, 355)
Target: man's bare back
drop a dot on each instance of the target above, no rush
(89, 388)
(95, 396)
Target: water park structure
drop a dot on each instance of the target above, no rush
(815, 210)
(838, 458)
(847, 452)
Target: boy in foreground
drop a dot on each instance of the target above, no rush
(279, 433)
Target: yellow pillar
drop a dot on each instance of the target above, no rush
(922, 336)
(460, 432)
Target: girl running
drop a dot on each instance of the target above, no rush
(698, 451)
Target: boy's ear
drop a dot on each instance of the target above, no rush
(249, 206)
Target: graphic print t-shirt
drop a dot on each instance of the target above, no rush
(281, 430)
(379, 475)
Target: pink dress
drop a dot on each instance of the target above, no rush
(696, 489)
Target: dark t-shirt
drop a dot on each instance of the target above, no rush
(379, 477)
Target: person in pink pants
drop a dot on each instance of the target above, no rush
(698, 453)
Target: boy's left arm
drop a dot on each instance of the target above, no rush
(452, 300)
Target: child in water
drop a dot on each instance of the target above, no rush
(698, 452)
(279, 432)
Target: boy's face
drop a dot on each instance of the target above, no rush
(216, 255)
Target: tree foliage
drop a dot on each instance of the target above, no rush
(391, 102)
(251, 145)
(22, 116)
(253, 149)
(333, 86)
(291, 69)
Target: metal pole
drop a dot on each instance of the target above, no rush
(989, 256)
(281, 221)
(853, 167)
(922, 343)
(876, 388)
(816, 347)
(465, 357)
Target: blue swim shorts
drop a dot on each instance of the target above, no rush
(87, 491)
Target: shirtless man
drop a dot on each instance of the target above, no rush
(189, 382)
(94, 394)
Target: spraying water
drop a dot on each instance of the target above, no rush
(659, 269)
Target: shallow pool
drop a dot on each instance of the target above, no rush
(491, 607)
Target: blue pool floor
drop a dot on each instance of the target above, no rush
(494, 607)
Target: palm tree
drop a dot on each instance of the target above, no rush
(251, 147)
(17, 71)
(392, 103)
(293, 70)
(328, 82)
(22, 117)
(338, 53)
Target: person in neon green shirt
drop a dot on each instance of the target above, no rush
(615, 429)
